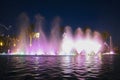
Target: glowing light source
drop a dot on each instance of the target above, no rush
(14, 44)
(37, 35)
(1, 43)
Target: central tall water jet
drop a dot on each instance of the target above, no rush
(54, 43)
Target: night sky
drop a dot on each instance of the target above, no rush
(101, 15)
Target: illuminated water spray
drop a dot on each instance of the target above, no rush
(34, 41)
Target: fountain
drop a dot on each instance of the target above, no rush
(35, 41)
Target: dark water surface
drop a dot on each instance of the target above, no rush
(105, 67)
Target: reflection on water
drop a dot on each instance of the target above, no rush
(58, 68)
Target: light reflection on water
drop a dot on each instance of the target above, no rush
(56, 67)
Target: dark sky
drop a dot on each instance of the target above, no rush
(101, 15)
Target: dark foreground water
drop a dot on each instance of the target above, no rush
(105, 67)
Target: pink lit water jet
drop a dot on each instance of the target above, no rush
(35, 42)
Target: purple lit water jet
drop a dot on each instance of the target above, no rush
(35, 42)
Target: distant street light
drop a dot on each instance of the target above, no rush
(1, 43)
(37, 35)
